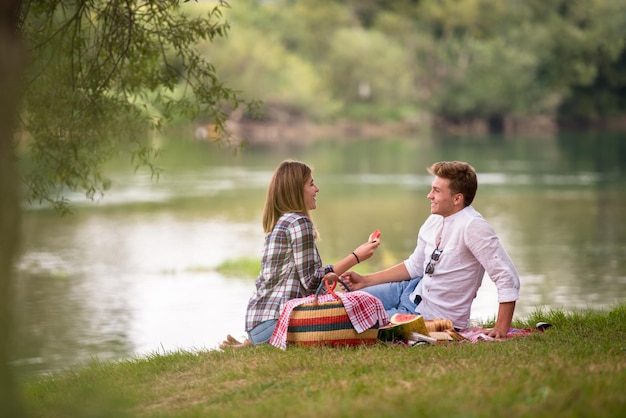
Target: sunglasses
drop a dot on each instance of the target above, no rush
(434, 257)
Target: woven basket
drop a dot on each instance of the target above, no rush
(326, 323)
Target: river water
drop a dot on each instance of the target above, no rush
(135, 272)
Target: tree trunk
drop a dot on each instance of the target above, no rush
(11, 66)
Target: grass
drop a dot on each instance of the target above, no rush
(575, 369)
(241, 267)
(247, 267)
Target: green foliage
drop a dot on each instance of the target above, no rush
(102, 75)
(573, 368)
(307, 26)
(455, 59)
(490, 78)
(368, 66)
(260, 66)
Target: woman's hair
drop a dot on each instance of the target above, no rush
(286, 192)
(462, 178)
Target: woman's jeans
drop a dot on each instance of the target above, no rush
(262, 333)
(395, 296)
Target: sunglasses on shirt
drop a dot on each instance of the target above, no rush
(434, 257)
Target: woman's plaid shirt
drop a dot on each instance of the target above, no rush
(291, 268)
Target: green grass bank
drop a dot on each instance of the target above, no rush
(575, 369)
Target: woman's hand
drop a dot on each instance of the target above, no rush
(367, 249)
(362, 253)
(374, 236)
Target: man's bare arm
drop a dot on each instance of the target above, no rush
(503, 322)
(396, 273)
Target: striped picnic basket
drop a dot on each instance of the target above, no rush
(326, 323)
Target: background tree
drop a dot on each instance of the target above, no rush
(464, 60)
(11, 62)
(259, 65)
(102, 75)
(370, 74)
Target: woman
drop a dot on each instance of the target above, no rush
(291, 266)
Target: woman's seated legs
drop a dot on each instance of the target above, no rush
(262, 333)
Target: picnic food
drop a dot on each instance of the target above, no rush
(400, 318)
(438, 324)
(401, 326)
(375, 235)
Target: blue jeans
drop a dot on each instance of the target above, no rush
(262, 333)
(395, 296)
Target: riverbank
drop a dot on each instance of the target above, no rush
(296, 131)
(576, 368)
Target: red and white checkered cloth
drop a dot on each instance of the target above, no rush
(363, 309)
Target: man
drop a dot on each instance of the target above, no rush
(455, 247)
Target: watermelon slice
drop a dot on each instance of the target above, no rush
(401, 326)
(400, 318)
(375, 235)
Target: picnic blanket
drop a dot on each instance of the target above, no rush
(475, 335)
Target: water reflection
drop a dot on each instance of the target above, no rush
(116, 284)
(135, 272)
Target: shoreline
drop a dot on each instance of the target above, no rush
(303, 132)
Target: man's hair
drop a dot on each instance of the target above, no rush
(286, 192)
(462, 176)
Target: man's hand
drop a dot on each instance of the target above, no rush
(497, 333)
(505, 316)
(353, 280)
